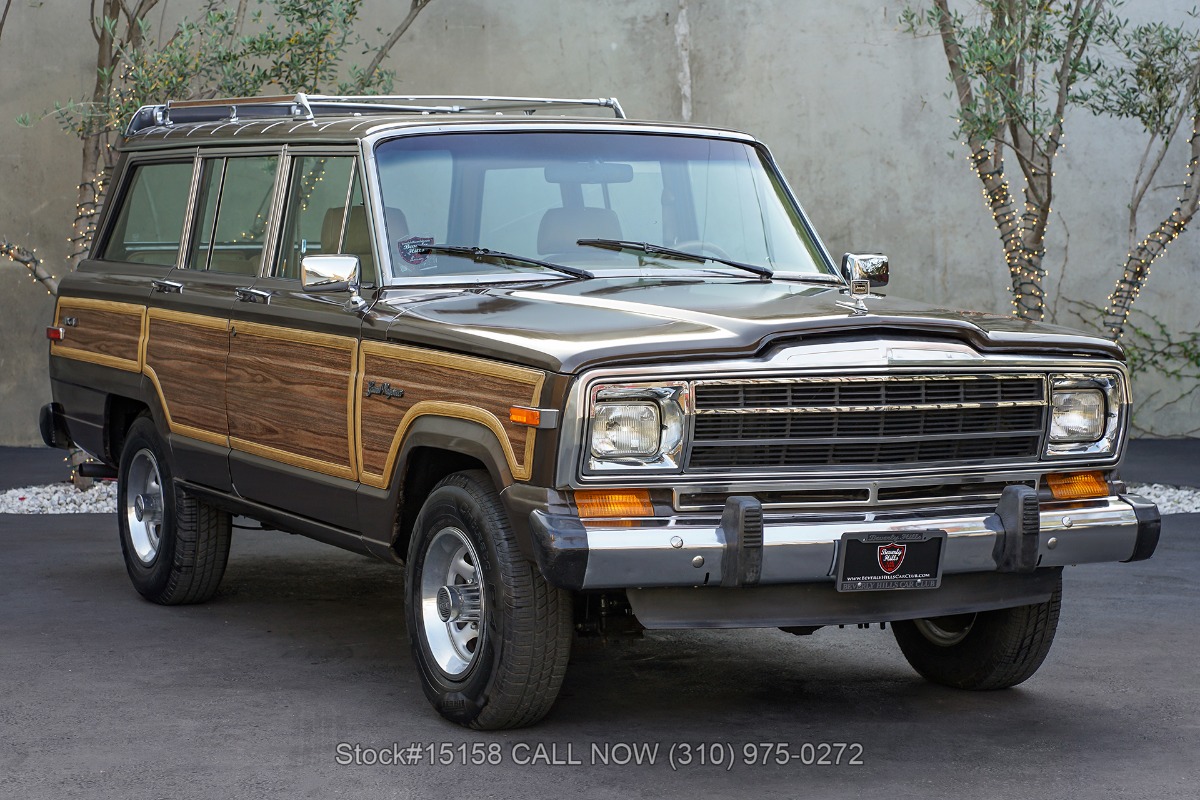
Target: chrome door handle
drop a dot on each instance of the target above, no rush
(248, 294)
(167, 287)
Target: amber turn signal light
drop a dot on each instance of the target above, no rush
(614, 503)
(1077, 485)
(525, 416)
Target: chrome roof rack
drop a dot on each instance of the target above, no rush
(309, 106)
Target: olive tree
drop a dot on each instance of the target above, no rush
(241, 49)
(1152, 76)
(281, 46)
(1018, 67)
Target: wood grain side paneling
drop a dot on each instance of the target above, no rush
(442, 384)
(105, 332)
(291, 397)
(185, 359)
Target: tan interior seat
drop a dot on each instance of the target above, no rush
(357, 241)
(561, 227)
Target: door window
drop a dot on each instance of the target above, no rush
(235, 202)
(325, 214)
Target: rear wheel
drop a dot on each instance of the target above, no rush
(988, 650)
(175, 545)
(490, 637)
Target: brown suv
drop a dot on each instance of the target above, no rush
(577, 374)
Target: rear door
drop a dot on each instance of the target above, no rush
(188, 318)
(292, 393)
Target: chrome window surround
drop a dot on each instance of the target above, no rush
(573, 470)
(373, 137)
(1115, 401)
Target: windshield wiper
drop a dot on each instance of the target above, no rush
(670, 252)
(483, 255)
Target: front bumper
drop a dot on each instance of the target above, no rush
(799, 549)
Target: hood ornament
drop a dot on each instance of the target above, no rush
(862, 271)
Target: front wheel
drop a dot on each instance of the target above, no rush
(490, 637)
(987, 650)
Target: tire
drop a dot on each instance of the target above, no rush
(175, 545)
(490, 637)
(988, 650)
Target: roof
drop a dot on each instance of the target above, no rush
(320, 119)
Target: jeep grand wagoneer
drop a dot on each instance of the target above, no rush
(572, 372)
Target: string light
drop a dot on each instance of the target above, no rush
(1137, 264)
(1024, 245)
(29, 259)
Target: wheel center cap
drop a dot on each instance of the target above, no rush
(139, 507)
(449, 603)
(458, 603)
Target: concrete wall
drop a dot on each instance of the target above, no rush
(855, 111)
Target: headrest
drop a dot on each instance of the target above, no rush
(560, 228)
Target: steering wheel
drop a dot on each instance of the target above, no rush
(692, 245)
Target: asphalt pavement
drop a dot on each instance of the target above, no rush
(301, 658)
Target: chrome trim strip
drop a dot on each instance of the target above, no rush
(872, 378)
(853, 409)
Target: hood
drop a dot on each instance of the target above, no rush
(566, 326)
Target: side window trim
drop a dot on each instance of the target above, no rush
(189, 217)
(212, 231)
(373, 200)
(341, 242)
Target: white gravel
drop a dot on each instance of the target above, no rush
(1170, 499)
(61, 498)
(64, 498)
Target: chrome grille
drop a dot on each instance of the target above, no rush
(799, 423)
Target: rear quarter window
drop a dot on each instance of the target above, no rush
(149, 222)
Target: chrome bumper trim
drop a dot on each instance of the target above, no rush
(681, 554)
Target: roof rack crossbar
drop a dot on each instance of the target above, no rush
(306, 106)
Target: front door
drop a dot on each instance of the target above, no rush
(293, 356)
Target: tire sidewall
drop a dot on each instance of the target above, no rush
(462, 698)
(149, 579)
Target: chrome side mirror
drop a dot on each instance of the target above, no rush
(326, 274)
(330, 273)
(864, 271)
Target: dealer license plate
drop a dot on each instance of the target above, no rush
(891, 560)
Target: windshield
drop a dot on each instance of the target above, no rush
(535, 195)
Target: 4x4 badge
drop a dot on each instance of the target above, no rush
(384, 389)
(891, 556)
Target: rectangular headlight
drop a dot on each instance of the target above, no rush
(1087, 415)
(1077, 415)
(626, 430)
(635, 428)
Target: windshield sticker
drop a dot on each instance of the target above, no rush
(410, 249)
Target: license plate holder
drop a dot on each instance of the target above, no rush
(890, 561)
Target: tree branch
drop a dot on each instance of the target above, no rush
(1140, 258)
(954, 54)
(415, 9)
(239, 18)
(1071, 55)
(30, 261)
(4, 16)
(92, 21)
(1140, 187)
